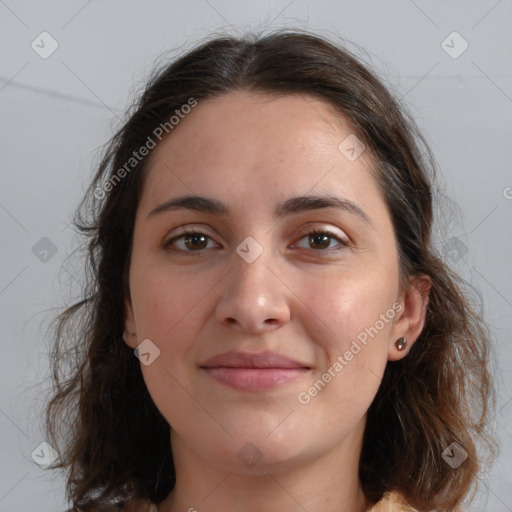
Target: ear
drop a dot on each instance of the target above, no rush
(130, 327)
(411, 319)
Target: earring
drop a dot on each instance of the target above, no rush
(401, 343)
(126, 335)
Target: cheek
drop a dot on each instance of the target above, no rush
(163, 306)
(350, 323)
(166, 312)
(170, 312)
(351, 307)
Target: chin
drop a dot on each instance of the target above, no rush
(254, 453)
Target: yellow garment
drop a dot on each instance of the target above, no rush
(393, 502)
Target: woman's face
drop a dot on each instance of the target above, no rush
(272, 339)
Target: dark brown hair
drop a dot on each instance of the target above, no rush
(113, 441)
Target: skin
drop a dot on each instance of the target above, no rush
(252, 151)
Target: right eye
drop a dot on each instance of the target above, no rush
(189, 241)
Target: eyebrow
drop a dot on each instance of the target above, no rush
(290, 206)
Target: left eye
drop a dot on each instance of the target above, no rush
(321, 240)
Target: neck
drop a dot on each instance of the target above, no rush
(328, 482)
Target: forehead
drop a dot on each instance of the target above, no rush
(256, 147)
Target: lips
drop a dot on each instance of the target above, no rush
(253, 371)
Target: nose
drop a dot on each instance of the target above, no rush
(253, 299)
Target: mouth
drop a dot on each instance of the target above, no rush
(260, 371)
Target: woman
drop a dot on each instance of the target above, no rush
(266, 324)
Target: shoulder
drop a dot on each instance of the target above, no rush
(394, 502)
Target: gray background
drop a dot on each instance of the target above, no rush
(57, 112)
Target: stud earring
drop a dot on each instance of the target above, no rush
(401, 343)
(127, 334)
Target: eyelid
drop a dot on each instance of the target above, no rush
(328, 229)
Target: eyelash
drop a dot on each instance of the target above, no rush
(317, 231)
